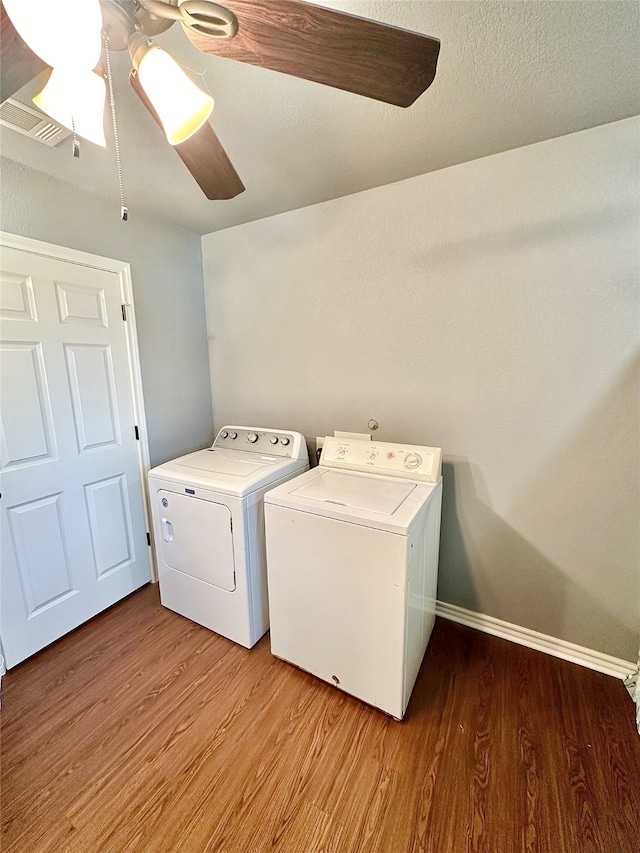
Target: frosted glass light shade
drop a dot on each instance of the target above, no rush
(75, 99)
(182, 107)
(64, 33)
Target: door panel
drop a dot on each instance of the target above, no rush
(110, 524)
(73, 535)
(39, 543)
(84, 306)
(197, 539)
(27, 426)
(91, 380)
(17, 301)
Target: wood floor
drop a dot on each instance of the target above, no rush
(144, 732)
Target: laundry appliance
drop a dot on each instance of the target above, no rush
(208, 526)
(352, 564)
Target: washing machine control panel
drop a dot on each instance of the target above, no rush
(412, 462)
(271, 442)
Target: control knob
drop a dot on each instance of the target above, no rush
(284, 441)
(224, 434)
(253, 437)
(233, 435)
(412, 461)
(274, 439)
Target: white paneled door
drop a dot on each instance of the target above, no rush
(73, 529)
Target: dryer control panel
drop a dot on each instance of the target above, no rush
(267, 442)
(409, 461)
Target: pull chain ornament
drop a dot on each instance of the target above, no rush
(76, 141)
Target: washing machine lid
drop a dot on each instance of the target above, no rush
(370, 500)
(370, 494)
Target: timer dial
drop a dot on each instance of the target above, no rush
(253, 437)
(412, 461)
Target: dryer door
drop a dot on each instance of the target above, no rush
(196, 538)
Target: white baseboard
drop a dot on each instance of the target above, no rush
(535, 640)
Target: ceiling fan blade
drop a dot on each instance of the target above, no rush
(326, 46)
(203, 155)
(18, 63)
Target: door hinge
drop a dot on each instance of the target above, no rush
(148, 539)
(124, 312)
(137, 433)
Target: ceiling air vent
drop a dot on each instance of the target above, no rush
(31, 122)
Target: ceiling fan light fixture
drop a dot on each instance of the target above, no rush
(65, 33)
(76, 100)
(181, 105)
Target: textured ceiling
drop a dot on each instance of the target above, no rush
(509, 74)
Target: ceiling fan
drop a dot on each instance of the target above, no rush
(298, 38)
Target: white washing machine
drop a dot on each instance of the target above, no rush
(352, 565)
(208, 526)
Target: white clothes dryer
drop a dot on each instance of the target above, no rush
(352, 565)
(208, 526)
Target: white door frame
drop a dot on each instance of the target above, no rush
(123, 271)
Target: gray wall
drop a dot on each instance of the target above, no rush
(166, 269)
(491, 309)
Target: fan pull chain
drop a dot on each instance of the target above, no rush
(76, 141)
(124, 212)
